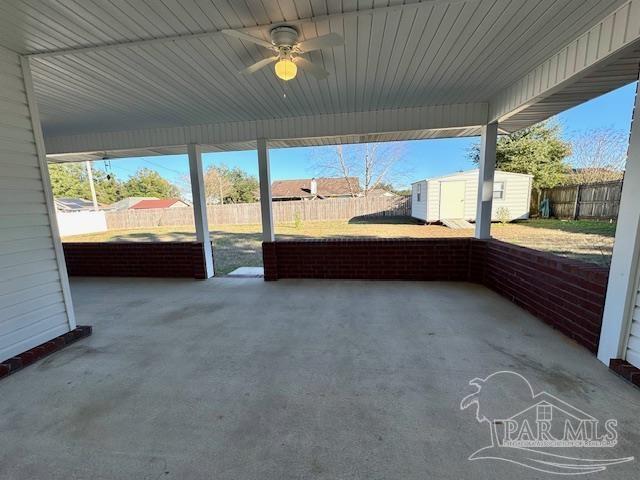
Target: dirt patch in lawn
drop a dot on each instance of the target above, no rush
(588, 247)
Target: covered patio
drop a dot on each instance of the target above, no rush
(315, 372)
(344, 379)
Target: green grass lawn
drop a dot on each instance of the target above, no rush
(240, 245)
(594, 227)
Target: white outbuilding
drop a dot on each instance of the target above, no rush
(455, 196)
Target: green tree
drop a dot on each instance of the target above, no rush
(537, 151)
(224, 184)
(70, 180)
(149, 183)
(244, 187)
(108, 187)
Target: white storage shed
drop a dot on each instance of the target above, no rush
(455, 196)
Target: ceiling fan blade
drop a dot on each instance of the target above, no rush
(315, 70)
(258, 65)
(248, 38)
(325, 41)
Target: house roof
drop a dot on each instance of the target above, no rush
(381, 192)
(159, 203)
(327, 187)
(475, 170)
(129, 201)
(73, 204)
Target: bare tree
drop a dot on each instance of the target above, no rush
(598, 155)
(364, 167)
(216, 184)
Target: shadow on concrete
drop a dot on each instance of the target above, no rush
(390, 220)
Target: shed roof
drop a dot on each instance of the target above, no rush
(465, 172)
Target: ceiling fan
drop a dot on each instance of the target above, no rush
(287, 49)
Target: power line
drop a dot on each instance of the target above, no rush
(162, 166)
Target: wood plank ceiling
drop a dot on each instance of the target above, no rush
(439, 52)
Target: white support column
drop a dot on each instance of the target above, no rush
(626, 249)
(264, 171)
(200, 205)
(487, 166)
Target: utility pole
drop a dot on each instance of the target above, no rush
(91, 185)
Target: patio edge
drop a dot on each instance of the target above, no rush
(18, 362)
(625, 370)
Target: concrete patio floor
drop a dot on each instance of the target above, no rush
(242, 379)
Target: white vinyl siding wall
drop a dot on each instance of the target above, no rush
(33, 309)
(433, 201)
(633, 345)
(419, 207)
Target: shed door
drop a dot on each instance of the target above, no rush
(633, 346)
(452, 199)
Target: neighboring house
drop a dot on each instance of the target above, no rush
(128, 202)
(455, 196)
(315, 188)
(64, 204)
(77, 216)
(381, 192)
(159, 203)
(593, 175)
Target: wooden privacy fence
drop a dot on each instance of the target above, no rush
(598, 201)
(249, 213)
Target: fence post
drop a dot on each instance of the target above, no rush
(576, 205)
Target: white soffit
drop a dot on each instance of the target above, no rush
(273, 143)
(603, 58)
(435, 53)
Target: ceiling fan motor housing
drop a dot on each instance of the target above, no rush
(284, 36)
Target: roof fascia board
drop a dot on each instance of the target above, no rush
(592, 50)
(330, 125)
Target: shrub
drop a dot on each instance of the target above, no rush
(297, 221)
(503, 214)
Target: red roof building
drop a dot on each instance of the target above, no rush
(159, 203)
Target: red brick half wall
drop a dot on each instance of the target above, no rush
(568, 295)
(135, 259)
(377, 259)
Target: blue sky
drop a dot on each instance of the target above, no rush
(422, 158)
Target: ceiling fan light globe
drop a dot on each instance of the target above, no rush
(286, 69)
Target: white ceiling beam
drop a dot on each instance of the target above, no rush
(600, 47)
(454, 116)
(213, 33)
(458, 132)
